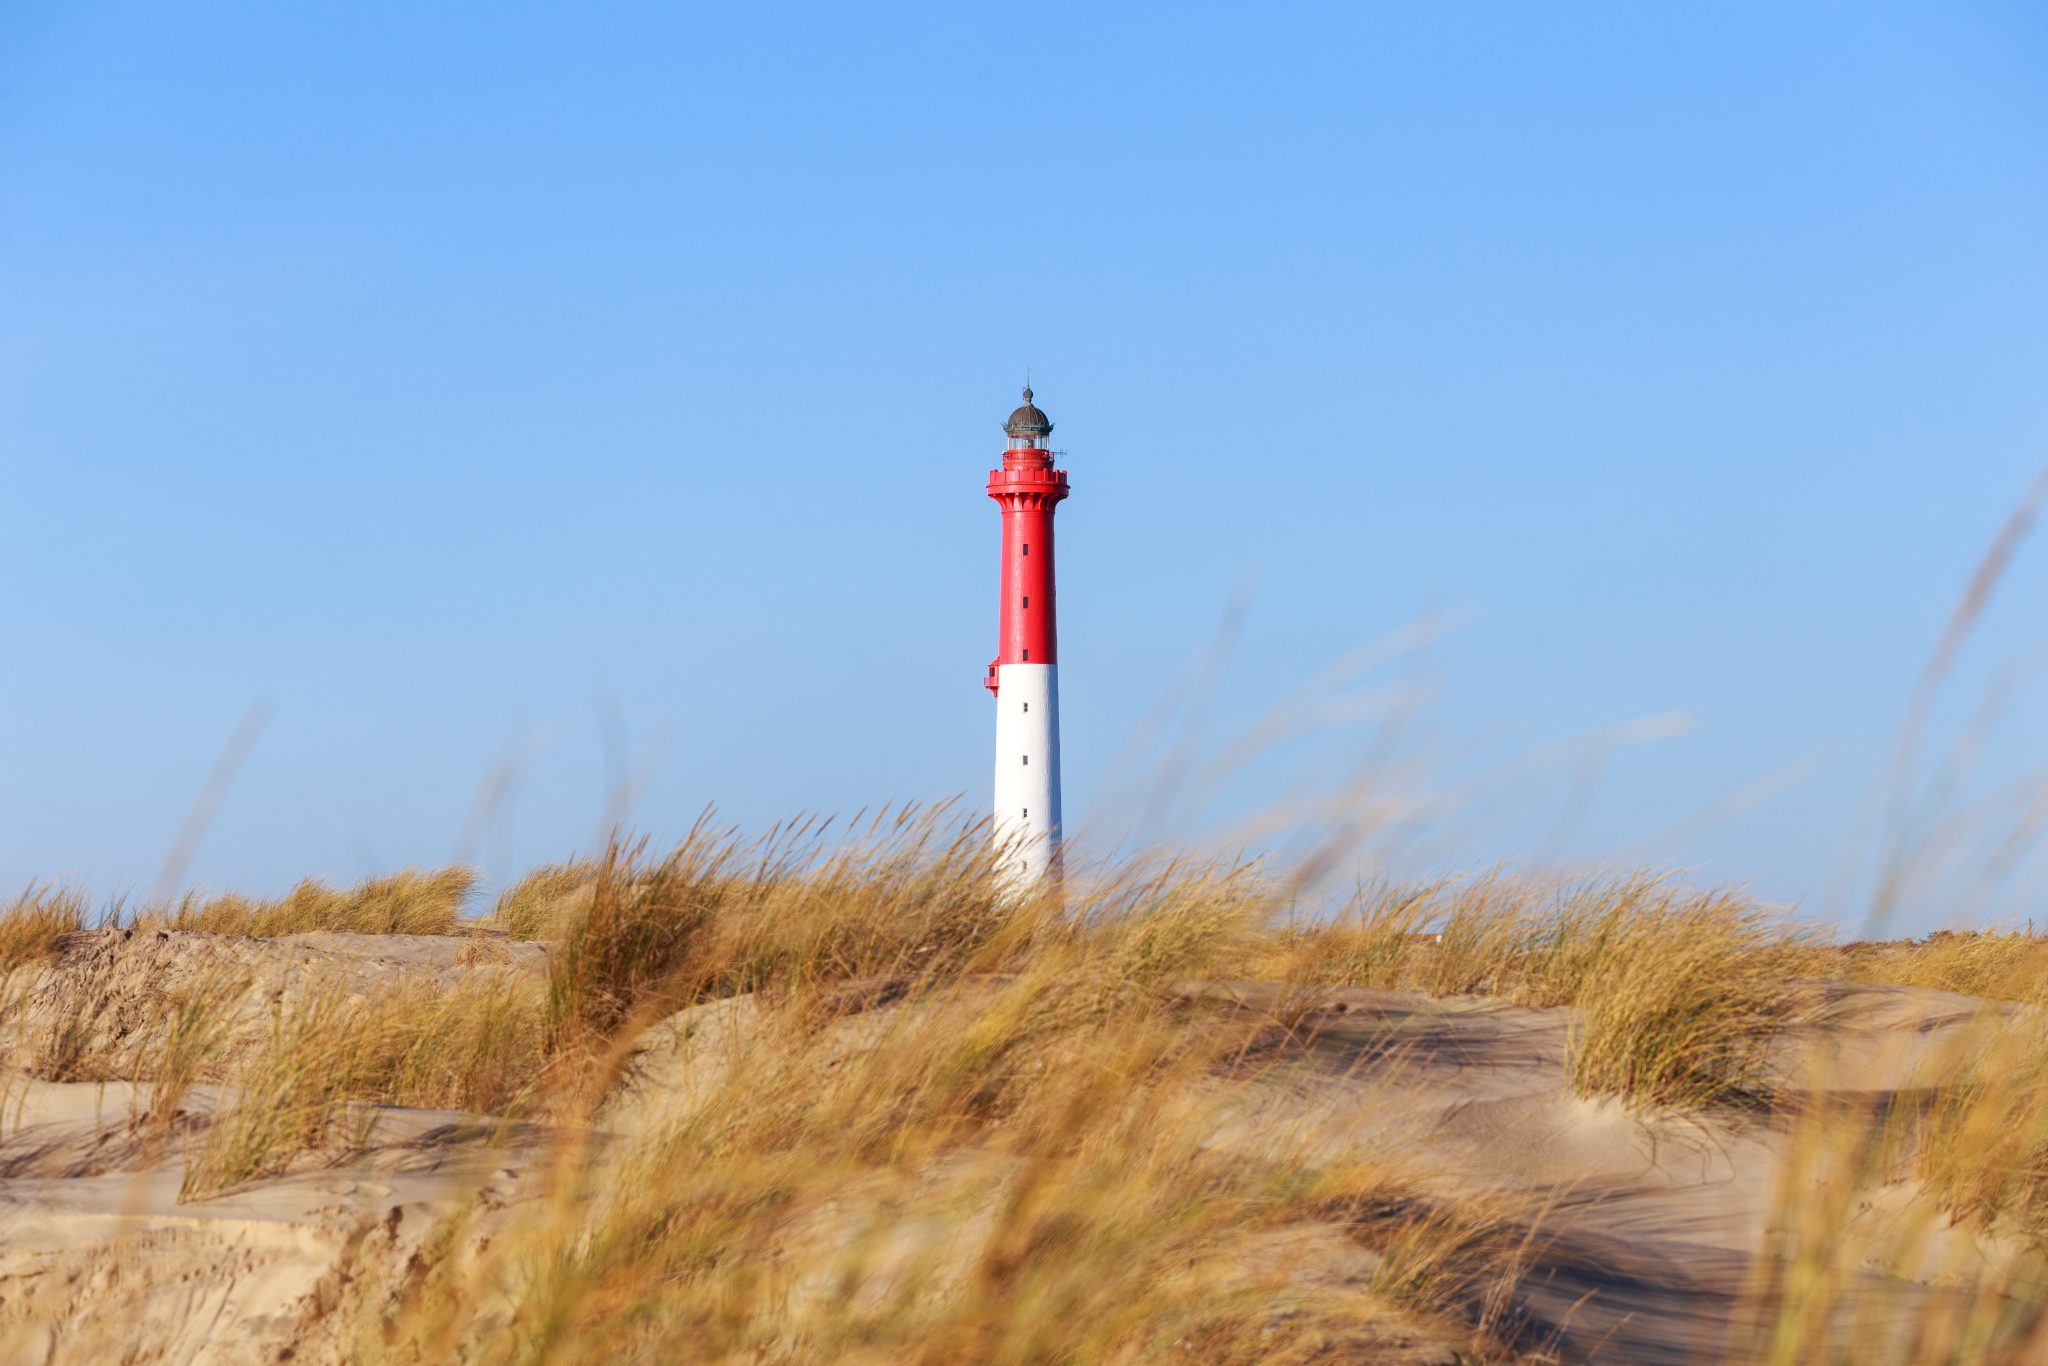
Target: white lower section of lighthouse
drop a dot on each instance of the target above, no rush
(1027, 809)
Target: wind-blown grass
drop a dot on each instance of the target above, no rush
(288, 1098)
(184, 1046)
(411, 902)
(2001, 965)
(473, 1046)
(542, 904)
(917, 1117)
(1022, 1083)
(1678, 1001)
(1982, 1139)
(722, 915)
(1677, 994)
(33, 926)
(1948, 1188)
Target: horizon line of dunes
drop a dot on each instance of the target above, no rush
(1054, 1086)
(2000, 961)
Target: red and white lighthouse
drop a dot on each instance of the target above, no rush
(1025, 674)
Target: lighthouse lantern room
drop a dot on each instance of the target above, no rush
(1025, 673)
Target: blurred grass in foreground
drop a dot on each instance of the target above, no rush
(920, 1119)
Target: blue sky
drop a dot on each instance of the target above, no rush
(572, 390)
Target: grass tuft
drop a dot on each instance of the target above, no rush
(33, 927)
(1677, 995)
(544, 903)
(473, 1046)
(184, 1045)
(1679, 999)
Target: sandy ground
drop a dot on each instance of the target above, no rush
(125, 975)
(98, 1260)
(1648, 1229)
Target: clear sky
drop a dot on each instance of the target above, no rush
(574, 390)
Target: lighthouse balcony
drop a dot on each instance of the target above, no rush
(989, 679)
(1040, 482)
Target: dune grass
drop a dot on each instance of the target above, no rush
(2001, 965)
(1982, 1135)
(722, 915)
(34, 925)
(1020, 1084)
(925, 1120)
(64, 1040)
(184, 1045)
(545, 902)
(289, 1097)
(1943, 1183)
(965, 1126)
(410, 902)
(1678, 1000)
(1677, 994)
(1944, 1191)
(473, 1046)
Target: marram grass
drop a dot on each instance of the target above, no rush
(921, 1120)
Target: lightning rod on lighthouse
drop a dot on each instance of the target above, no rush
(1025, 673)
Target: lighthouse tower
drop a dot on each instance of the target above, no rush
(1025, 674)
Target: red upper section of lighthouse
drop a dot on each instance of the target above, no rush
(1027, 489)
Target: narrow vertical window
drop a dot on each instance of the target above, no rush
(1027, 547)
(1027, 656)
(1027, 761)
(1027, 599)
(1027, 706)
(1027, 813)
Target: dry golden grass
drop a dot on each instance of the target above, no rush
(1957, 1164)
(722, 915)
(475, 1046)
(1982, 1137)
(1944, 1191)
(1024, 1083)
(1678, 994)
(1679, 999)
(289, 1097)
(542, 904)
(411, 902)
(34, 925)
(1022, 1086)
(1681, 993)
(964, 1126)
(2000, 965)
(185, 1046)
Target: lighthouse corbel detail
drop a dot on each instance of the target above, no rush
(1025, 673)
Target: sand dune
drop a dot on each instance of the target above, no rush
(1645, 1228)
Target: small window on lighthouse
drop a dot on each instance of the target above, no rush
(1027, 656)
(1027, 600)
(1027, 813)
(1027, 706)
(1027, 761)
(1027, 547)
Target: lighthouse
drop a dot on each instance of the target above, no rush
(1025, 675)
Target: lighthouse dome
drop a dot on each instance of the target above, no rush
(1028, 420)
